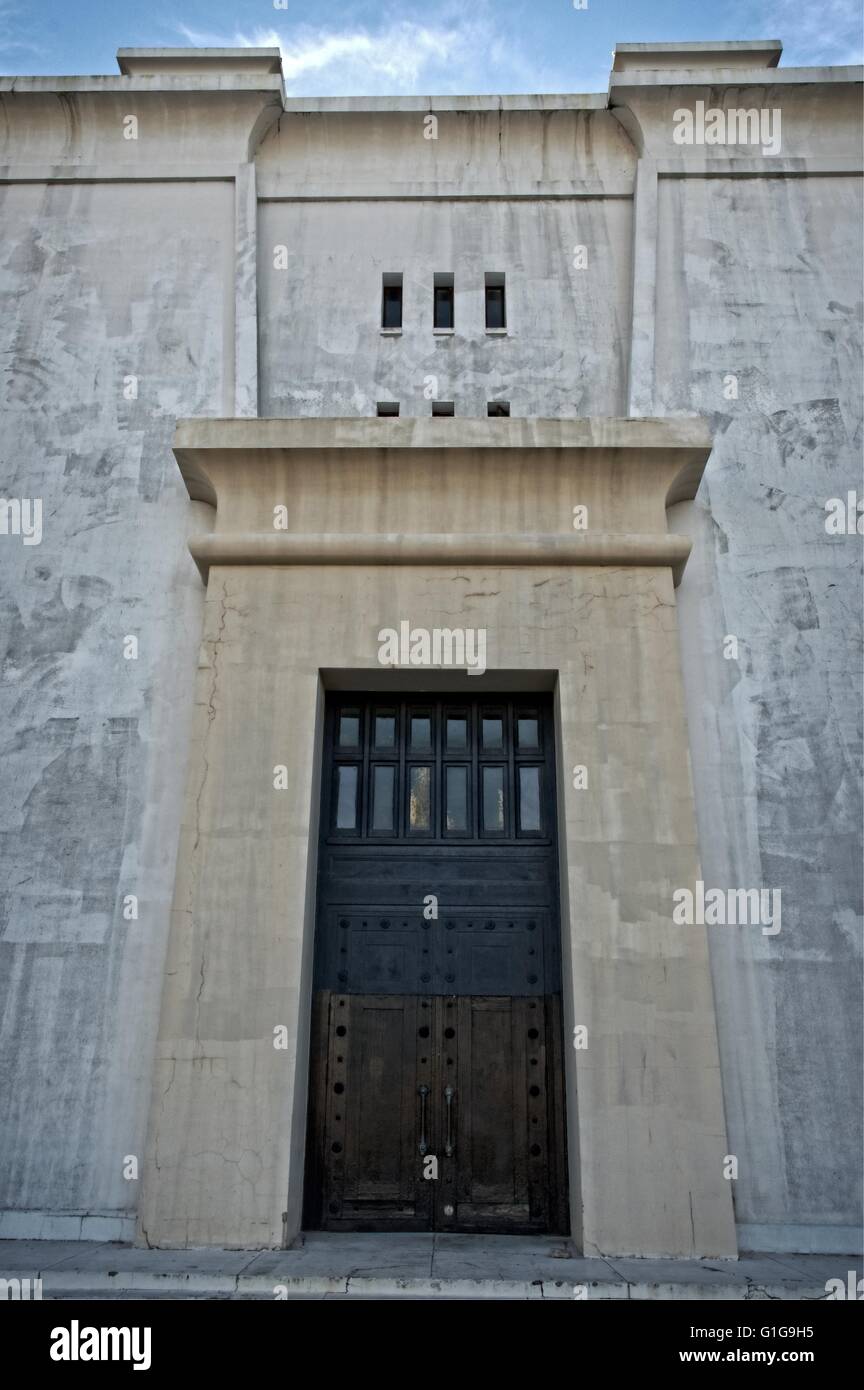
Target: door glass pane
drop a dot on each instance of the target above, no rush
(385, 730)
(493, 733)
(457, 734)
(457, 798)
(383, 782)
(419, 798)
(421, 731)
(529, 798)
(493, 800)
(346, 798)
(528, 733)
(349, 729)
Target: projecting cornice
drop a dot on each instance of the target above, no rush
(442, 491)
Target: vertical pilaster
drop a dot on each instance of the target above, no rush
(245, 292)
(640, 385)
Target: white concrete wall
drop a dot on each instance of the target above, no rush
(353, 197)
(758, 276)
(98, 281)
(762, 278)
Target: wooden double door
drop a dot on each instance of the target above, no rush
(436, 1097)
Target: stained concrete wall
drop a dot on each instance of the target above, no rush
(761, 278)
(755, 276)
(645, 1113)
(352, 197)
(98, 282)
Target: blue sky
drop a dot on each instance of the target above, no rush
(355, 47)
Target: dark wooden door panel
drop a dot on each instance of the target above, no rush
(494, 1187)
(492, 1117)
(366, 1171)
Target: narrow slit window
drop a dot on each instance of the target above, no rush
(391, 310)
(443, 313)
(496, 308)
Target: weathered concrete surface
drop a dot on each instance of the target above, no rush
(565, 349)
(762, 279)
(227, 1133)
(144, 261)
(98, 283)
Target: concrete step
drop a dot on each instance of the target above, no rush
(416, 1267)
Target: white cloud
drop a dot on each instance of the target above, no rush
(824, 32)
(11, 30)
(464, 56)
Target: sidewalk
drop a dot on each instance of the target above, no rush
(409, 1267)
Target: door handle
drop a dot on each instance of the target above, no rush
(423, 1093)
(449, 1093)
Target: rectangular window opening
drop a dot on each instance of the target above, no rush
(391, 308)
(443, 408)
(443, 300)
(497, 408)
(496, 309)
(388, 407)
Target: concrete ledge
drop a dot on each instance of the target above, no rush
(542, 101)
(177, 83)
(152, 62)
(276, 187)
(580, 548)
(118, 173)
(442, 432)
(708, 166)
(737, 78)
(645, 57)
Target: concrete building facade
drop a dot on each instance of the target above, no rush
(663, 540)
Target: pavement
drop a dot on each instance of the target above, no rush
(416, 1267)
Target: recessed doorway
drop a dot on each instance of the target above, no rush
(437, 1096)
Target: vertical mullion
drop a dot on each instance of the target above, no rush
(472, 716)
(510, 726)
(401, 775)
(438, 778)
(364, 790)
